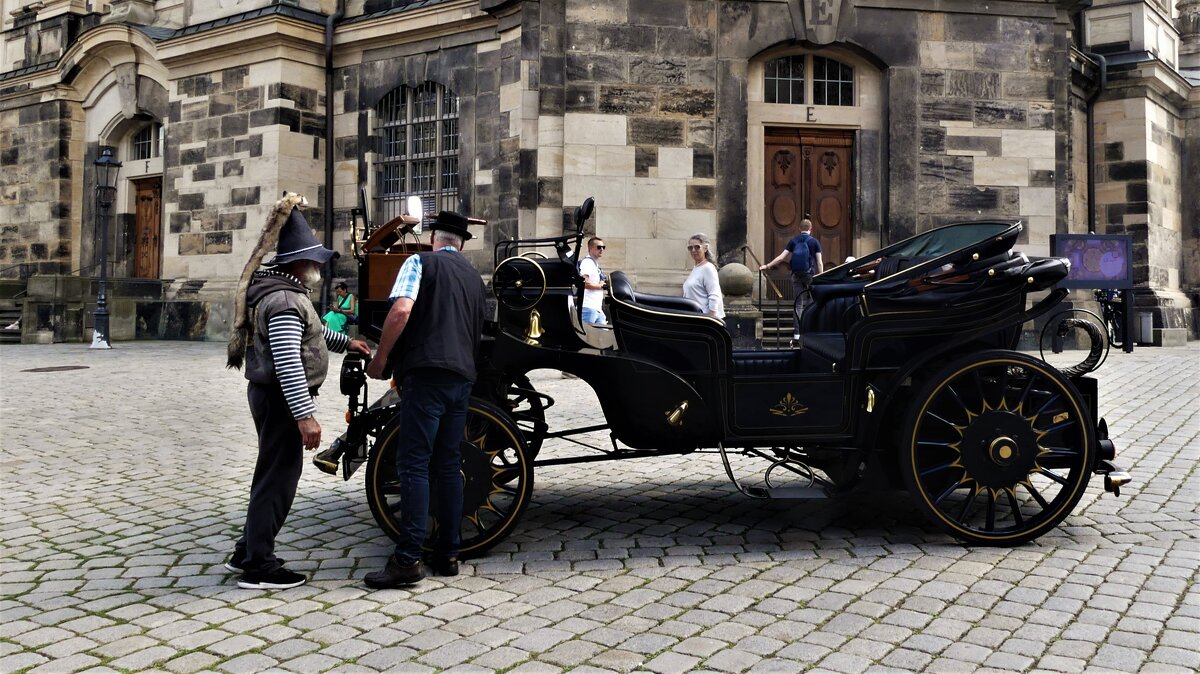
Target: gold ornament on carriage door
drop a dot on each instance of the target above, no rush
(789, 407)
(535, 331)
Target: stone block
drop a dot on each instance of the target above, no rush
(232, 221)
(675, 162)
(655, 131)
(608, 11)
(942, 110)
(1037, 201)
(659, 13)
(551, 161)
(1009, 171)
(626, 100)
(595, 68)
(1000, 114)
(579, 159)
(689, 101)
(625, 223)
(701, 196)
(235, 124)
(954, 170)
(1170, 336)
(580, 98)
(191, 244)
(244, 196)
(1027, 143)
(972, 85)
(949, 55)
(1024, 86)
(191, 202)
(615, 160)
(595, 129)
(656, 193)
(658, 70)
(608, 190)
(204, 172)
(688, 42)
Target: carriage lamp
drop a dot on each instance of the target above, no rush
(107, 169)
(414, 207)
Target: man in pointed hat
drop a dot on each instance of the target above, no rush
(430, 339)
(286, 353)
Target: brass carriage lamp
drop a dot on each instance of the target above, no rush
(107, 169)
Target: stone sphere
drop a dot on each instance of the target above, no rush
(736, 279)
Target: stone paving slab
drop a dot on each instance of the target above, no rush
(124, 486)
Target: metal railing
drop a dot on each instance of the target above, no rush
(775, 302)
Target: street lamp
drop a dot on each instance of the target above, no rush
(107, 169)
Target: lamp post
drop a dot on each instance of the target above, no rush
(107, 169)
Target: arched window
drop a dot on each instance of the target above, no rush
(147, 143)
(417, 129)
(833, 82)
(786, 80)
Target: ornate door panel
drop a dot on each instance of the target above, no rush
(808, 174)
(147, 250)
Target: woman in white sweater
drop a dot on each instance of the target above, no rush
(702, 285)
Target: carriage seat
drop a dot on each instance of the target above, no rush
(827, 320)
(623, 290)
(746, 363)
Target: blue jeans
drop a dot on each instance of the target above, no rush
(433, 412)
(594, 316)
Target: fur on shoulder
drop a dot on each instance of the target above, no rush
(239, 336)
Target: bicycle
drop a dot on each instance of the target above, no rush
(1112, 309)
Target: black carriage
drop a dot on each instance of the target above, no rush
(907, 377)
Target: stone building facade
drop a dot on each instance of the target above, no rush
(875, 118)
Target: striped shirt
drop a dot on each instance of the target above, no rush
(408, 280)
(284, 333)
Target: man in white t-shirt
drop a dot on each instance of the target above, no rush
(593, 283)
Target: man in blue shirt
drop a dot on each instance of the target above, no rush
(803, 253)
(430, 339)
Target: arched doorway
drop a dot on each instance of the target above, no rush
(814, 124)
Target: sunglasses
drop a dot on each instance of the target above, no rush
(601, 247)
(694, 247)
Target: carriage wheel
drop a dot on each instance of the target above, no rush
(497, 480)
(999, 448)
(528, 410)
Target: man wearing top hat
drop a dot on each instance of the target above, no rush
(430, 338)
(280, 338)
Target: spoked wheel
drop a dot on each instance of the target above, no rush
(528, 409)
(999, 448)
(497, 480)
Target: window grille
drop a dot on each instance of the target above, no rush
(147, 142)
(784, 82)
(417, 129)
(833, 82)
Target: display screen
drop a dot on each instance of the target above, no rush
(1097, 260)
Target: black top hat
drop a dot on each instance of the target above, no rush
(449, 221)
(296, 242)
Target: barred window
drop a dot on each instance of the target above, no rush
(785, 80)
(417, 129)
(833, 82)
(147, 143)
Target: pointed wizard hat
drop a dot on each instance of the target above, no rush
(296, 242)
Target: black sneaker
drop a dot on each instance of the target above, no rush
(235, 562)
(444, 566)
(278, 579)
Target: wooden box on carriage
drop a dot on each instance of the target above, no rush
(384, 251)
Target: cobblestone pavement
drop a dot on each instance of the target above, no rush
(124, 485)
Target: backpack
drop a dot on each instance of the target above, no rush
(802, 259)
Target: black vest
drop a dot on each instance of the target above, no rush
(447, 319)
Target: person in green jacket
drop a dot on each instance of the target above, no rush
(342, 311)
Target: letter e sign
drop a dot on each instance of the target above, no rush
(822, 19)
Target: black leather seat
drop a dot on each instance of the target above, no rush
(765, 362)
(623, 290)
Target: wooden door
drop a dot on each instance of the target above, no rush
(147, 250)
(809, 174)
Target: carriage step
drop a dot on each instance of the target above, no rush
(810, 493)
